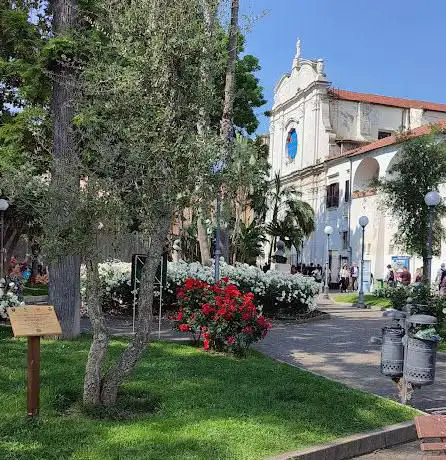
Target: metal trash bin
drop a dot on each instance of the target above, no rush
(421, 355)
(392, 351)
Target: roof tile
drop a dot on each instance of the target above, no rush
(386, 100)
(394, 139)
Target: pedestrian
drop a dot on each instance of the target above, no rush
(441, 273)
(443, 287)
(405, 277)
(344, 275)
(293, 269)
(390, 276)
(354, 272)
(419, 275)
(317, 274)
(310, 269)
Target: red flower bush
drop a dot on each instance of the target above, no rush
(225, 318)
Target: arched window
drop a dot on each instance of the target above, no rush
(291, 144)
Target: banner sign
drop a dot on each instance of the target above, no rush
(400, 262)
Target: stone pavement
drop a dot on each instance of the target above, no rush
(409, 451)
(340, 348)
(122, 326)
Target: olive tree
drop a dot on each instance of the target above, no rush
(142, 94)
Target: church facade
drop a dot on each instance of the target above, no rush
(331, 144)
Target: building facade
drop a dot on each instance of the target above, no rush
(331, 144)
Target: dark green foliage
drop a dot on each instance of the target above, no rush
(248, 91)
(250, 241)
(248, 94)
(420, 168)
(398, 295)
(292, 219)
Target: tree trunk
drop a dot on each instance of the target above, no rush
(208, 10)
(203, 241)
(129, 358)
(64, 274)
(35, 252)
(228, 106)
(226, 125)
(99, 345)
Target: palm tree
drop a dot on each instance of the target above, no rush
(297, 222)
(249, 246)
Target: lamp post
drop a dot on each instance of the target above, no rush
(4, 205)
(432, 199)
(363, 222)
(328, 230)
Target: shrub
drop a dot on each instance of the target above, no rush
(8, 298)
(226, 318)
(275, 292)
(398, 295)
(423, 300)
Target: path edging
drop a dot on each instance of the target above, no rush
(35, 299)
(357, 444)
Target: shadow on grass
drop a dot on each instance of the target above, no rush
(192, 405)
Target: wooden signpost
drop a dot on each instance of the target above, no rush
(34, 321)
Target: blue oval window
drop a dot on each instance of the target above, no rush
(291, 144)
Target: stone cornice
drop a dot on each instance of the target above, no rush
(303, 93)
(313, 170)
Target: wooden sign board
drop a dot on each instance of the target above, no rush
(34, 321)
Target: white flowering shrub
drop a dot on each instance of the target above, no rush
(8, 298)
(116, 291)
(275, 292)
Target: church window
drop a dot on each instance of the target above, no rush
(333, 195)
(383, 134)
(291, 144)
(347, 191)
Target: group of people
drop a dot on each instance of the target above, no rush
(404, 277)
(348, 277)
(308, 270)
(401, 276)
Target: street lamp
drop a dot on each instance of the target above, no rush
(363, 222)
(328, 230)
(4, 205)
(432, 199)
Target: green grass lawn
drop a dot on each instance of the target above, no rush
(207, 407)
(369, 299)
(35, 290)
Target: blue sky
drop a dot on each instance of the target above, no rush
(389, 47)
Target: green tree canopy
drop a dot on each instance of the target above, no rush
(420, 167)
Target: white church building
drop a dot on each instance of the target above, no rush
(330, 144)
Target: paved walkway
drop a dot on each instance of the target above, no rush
(340, 348)
(409, 451)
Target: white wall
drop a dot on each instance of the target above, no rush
(302, 102)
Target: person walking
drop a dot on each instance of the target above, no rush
(441, 274)
(419, 275)
(354, 273)
(390, 276)
(405, 277)
(344, 275)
